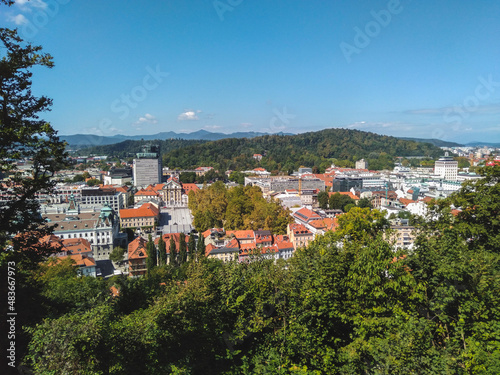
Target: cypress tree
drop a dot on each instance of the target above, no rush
(191, 247)
(162, 252)
(201, 246)
(173, 251)
(182, 249)
(151, 262)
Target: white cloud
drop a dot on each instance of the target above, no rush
(19, 19)
(246, 125)
(27, 5)
(146, 119)
(188, 115)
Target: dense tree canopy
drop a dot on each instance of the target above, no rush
(315, 149)
(130, 148)
(236, 208)
(339, 201)
(117, 255)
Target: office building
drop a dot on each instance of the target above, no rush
(446, 168)
(147, 166)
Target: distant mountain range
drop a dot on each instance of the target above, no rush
(84, 140)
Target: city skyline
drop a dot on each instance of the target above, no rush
(400, 68)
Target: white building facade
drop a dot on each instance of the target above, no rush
(446, 168)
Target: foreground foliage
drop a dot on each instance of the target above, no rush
(24, 137)
(347, 304)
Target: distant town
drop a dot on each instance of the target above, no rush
(100, 205)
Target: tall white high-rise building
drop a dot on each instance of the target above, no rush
(147, 166)
(446, 168)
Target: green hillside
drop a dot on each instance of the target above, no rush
(131, 147)
(284, 153)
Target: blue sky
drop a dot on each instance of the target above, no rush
(427, 69)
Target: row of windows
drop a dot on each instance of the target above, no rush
(87, 235)
(140, 222)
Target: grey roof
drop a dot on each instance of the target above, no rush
(223, 250)
(177, 228)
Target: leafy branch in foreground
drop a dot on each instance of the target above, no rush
(24, 137)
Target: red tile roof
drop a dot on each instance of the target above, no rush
(299, 229)
(146, 210)
(208, 232)
(406, 201)
(241, 234)
(115, 292)
(281, 238)
(190, 187)
(327, 178)
(233, 244)
(262, 239)
(326, 224)
(77, 246)
(146, 193)
(137, 249)
(81, 260)
(122, 189)
(282, 245)
(248, 246)
(209, 248)
(157, 187)
(306, 215)
(348, 193)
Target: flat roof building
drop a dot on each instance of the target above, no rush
(147, 168)
(446, 168)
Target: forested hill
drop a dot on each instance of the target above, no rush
(284, 153)
(130, 148)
